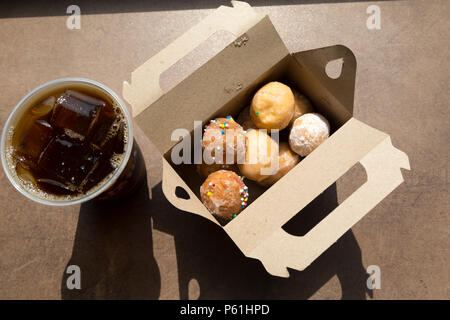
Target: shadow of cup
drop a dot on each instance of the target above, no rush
(114, 249)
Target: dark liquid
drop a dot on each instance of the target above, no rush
(69, 143)
(130, 179)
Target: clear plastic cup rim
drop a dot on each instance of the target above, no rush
(107, 184)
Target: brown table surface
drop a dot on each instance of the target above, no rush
(145, 248)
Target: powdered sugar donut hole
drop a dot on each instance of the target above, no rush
(308, 132)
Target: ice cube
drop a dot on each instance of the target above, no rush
(100, 132)
(114, 141)
(114, 144)
(43, 108)
(25, 173)
(55, 186)
(103, 169)
(69, 159)
(35, 140)
(86, 98)
(119, 146)
(76, 111)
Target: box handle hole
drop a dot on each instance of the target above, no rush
(333, 68)
(326, 202)
(181, 193)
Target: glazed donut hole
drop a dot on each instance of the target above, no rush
(272, 106)
(261, 156)
(302, 105)
(287, 160)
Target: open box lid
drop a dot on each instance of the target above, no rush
(197, 97)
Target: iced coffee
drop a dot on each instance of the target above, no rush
(67, 144)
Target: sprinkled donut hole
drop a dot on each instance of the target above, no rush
(224, 194)
(308, 132)
(222, 137)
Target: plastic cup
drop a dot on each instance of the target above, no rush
(126, 178)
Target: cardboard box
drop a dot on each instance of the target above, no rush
(225, 85)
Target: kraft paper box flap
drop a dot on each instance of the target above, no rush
(353, 142)
(144, 88)
(212, 85)
(337, 92)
